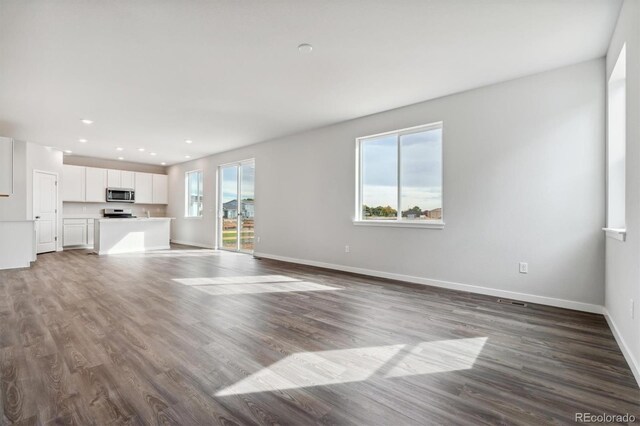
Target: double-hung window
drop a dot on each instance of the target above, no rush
(193, 191)
(399, 178)
(616, 148)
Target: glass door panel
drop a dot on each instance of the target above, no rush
(247, 212)
(237, 214)
(229, 207)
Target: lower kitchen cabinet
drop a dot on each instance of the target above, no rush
(77, 233)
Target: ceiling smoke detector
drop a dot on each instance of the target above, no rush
(305, 48)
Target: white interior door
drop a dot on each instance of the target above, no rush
(45, 210)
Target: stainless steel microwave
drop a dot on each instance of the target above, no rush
(121, 195)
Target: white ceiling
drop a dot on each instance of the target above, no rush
(227, 73)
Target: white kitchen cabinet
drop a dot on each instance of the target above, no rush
(78, 233)
(96, 185)
(73, 183)
(127, 179)
(90, 230)
(120, 179)
(75, 232)
(160, 188)
(114, 179)
(6, 167)
(144, 188)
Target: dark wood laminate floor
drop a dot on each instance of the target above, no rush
(193, 336)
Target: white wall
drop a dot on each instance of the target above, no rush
(623, 258)
(523, 181)
(104, 163)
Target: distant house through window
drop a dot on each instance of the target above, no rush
(194, 193)
(616, 144)
(400, 177)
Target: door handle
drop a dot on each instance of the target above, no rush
(37, 217)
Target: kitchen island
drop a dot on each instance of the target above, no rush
(131, 235)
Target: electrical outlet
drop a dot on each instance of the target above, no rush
(632, 309)
(257, 239)
(347, 249)
(524, 268)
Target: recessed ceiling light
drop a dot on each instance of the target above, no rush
(119, 149)
(188, 141)
(66, 151)
(120, 158)
(82, 140)
(87, 121)
(153, 153)
(187, 156)
(163, 163)
(305, 48)
(141, 149)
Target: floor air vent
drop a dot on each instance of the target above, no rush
(512, 302)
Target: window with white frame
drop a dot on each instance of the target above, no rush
(193, 191)
(399, 179)
(616, 144)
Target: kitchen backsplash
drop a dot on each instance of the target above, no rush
(81, 210)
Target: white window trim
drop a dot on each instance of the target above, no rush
(399, 222)
(186, 193)
(616, 234)
(406, 223)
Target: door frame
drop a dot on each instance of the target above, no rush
(33, 215)
(220, 222)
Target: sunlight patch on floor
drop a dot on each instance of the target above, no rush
(172, 253)
(322, 368)
(250, 279)
(223, 289)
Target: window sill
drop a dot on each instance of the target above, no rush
(615, 233)
(404, 224)
(193, 217)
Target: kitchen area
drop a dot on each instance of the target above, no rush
(111, 210)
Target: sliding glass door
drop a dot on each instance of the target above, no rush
(236, 210)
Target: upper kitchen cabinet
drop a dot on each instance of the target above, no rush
(144, 188)
(73, 183)
(160, 189)
(120, 179)
(114, 179)
(96, 185)
(6, 167)
(128, 180)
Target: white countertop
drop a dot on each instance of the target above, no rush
(82, 216)
(134, 219)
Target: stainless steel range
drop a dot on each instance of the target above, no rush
(118, 213)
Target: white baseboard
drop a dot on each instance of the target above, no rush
(189, 243)
(633, 364)
(531, 298)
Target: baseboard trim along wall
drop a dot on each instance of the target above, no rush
(189, 243)
(633, 364)
(531, 298)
